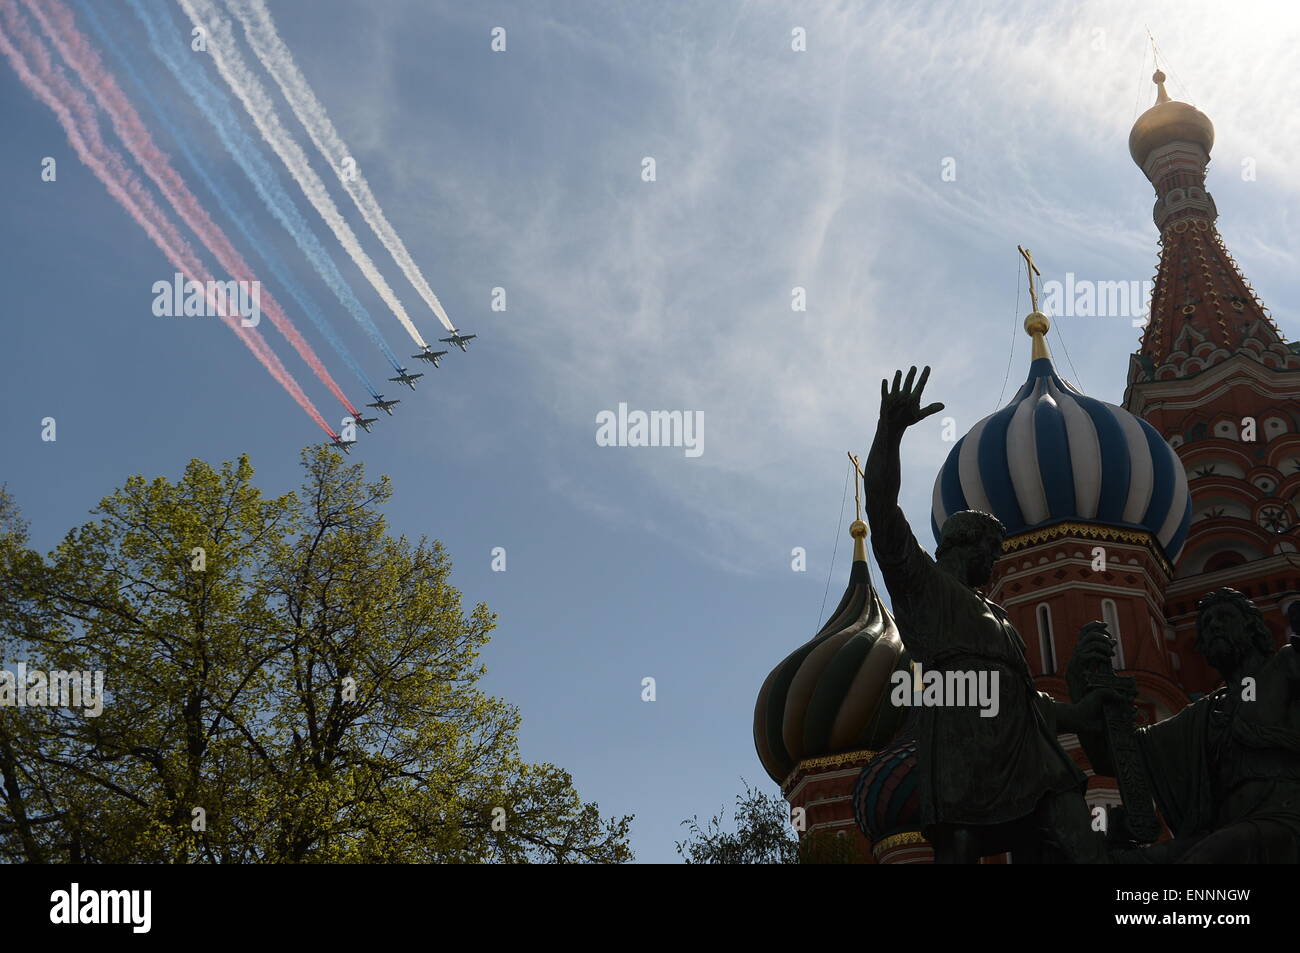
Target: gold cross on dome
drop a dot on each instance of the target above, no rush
(857, 487)
(1033, 270)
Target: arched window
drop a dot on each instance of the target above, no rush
(1046, 643)
(1110, 615)
(1223, 560)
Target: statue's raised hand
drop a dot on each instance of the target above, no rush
(900, 405)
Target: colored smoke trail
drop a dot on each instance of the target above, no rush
(58, 23)
(219, 112)
(250, 91)
(77, 117)
(225, 197)
(262, 36)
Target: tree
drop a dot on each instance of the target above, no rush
(764, 834)
(285, 682)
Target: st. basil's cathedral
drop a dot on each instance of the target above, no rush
(1127, 514)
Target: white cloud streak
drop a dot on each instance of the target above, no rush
(822, 170)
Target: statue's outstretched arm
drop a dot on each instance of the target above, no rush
(900, 408)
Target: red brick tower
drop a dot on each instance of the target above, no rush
(1214, 375)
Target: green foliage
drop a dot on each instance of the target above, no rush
(312, 689)
(763, 834)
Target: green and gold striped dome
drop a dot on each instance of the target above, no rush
(831, 695)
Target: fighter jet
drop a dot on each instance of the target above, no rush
(385, 405)
(405, 378)
(458, 339)
(433, 357)
(364, 422)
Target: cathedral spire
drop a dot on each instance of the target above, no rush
(1203, 311)
(1036, 323)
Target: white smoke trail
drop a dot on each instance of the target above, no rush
(262, 36)
(250, 91)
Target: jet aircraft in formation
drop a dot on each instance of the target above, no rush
(385, 405)
(433, 357)
(405, 378)
(458, 339)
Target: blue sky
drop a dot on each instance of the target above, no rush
(775, 169)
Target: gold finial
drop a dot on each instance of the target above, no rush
(1158, 77)
(1036, 323)
(1037, 326)
(858, 529)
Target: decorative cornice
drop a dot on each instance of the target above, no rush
(1088, 531)
(808, 765)
(905, 839)
(833, 760)
(1181, 226)
(1144, 396)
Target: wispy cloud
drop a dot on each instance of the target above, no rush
(821, 170)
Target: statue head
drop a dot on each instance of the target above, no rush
(969, 544)
(1229, 627)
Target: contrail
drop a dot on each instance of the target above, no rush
(47, 82)
(225, 196)
(250, 91)
(214, 105)
(58, 23)
(260, 30)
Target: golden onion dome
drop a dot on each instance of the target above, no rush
(831, 695)
(1168, 121)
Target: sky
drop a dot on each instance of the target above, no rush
(889, 170)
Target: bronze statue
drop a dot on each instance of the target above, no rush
(1225, 771)
(988, 784)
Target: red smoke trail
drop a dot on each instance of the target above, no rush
(110, 168)
(58, 22)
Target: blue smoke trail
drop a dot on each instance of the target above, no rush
(168, 45)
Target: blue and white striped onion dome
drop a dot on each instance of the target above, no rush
(1055, 455)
